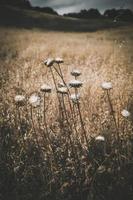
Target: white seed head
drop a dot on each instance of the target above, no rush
(60, 84)
(75, 72)
(125, 113)
(62, 90)
(19, 100)
(100, 138)
(34, 100)
(49, 62)
(59, 60)
(75, 98)
(75, 83)
(106, 85)
(45, 88)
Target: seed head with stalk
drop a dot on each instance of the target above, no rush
(76, 73)
(76, 84)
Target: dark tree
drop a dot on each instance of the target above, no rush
(91, 13)
(86, 14)
(17, 3)
(111, 13)
(120, 14)
(46, 10)
(125, 14)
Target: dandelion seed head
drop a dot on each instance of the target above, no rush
(45, 88)
(75, 83)
(49, 62)
(62, 90)
(19, 100)
(75, 98)
(125, 113)
(60, 84)
(106, 85)
(75, 72)
(59, 60)
(100, 138)
(34, 100)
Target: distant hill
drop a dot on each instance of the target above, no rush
(28, 18)
(16, 3)
(25, 4)
(45, 10)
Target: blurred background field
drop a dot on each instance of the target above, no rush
(101, 55)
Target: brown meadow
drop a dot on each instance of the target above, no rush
(45, 153)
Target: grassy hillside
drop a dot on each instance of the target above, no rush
(11, 16)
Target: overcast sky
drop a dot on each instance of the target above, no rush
(65, 6)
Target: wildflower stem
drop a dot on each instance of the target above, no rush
(46, 127)
(45, 121)
(53, 77)
(69, 125)
(80, 116)
(34, 129)
(61, 76)
(112, 113)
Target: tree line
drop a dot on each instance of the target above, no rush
(114, 14)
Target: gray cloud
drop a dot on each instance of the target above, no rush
(65, 6)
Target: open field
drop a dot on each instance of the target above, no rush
(101, 56)
(51, 152)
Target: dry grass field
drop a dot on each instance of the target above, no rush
(52, 151)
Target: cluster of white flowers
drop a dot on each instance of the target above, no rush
(75, 72)
(75, 98)
(19, 100)
(125, 113)
(45, 88)
(75, 83)
(50, 61)
(106, 85)
(62, 90)
(60, 84)
(100, 138)
(58, 60)
(34, 100)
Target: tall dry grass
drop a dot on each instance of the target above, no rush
(51, 152)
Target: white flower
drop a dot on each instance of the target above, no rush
(62, 90)
(75, 72)
(75, 98)
(45, 88)
(19, 99)
(106, 85)
(125, 113)
(100, 138)
(60, 84)
(49, 62)
(59, 60)
(34, 100)
(75, 83)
